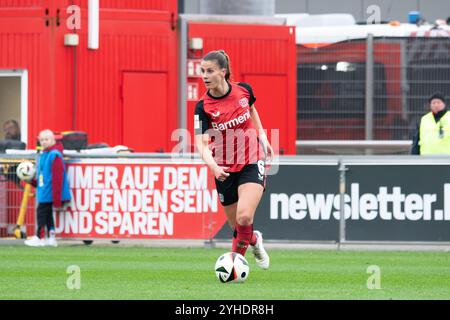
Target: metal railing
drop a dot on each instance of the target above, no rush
(373, 89)
(17, 205)
(353, 146)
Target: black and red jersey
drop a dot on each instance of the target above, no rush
(227, 120)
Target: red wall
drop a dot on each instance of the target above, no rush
(265, 57)
(136, 42)
(143, 40)
(126, 92)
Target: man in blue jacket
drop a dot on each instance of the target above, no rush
(52, 188)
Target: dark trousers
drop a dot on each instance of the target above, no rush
(45, 218)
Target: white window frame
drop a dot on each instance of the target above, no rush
(23, 75)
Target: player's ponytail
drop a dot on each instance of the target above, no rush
(222, 60)
(228, 74)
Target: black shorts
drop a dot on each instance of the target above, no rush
(228, 189)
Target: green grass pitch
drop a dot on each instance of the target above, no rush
(108, 272)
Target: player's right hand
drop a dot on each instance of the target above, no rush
(220, 173)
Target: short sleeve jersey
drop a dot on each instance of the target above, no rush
(227, 120)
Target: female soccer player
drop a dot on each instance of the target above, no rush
(226, 115)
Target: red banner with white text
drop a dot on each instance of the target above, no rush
(140, 201)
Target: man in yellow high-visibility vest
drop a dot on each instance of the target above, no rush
(433, 133)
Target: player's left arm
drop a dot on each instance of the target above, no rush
(256, 120)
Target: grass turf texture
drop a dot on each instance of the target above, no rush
(168, 273)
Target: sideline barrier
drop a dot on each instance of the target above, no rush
(154, 196)
(385, 198)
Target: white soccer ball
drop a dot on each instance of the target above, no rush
(26, 171)
(231, 267)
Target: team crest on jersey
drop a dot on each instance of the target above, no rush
(215, 115)
(243, 102)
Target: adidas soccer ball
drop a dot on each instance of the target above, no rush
(232, 267)
(26, 171)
